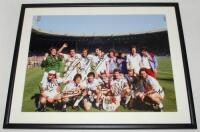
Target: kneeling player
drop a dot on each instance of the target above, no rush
(104, 81)
(133, 80)
(92, 87)
(72, 91)
(50, 90)
(152, 91)
(120, 88)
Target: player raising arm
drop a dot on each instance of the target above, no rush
(72, 61)
(52, 62)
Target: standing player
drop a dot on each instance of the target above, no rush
(121, 62)
(111, 62)
(100, 62)
(52, 62)
(85, 63)
(72, 61)
(154, 63)
(151, 89)
(149, 62)
(119, 88)
(134, 60)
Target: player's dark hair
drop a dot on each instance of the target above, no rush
(112, 50)
(51, 48)
(141, 70)
(116, 70)
(77, 76)
(91, 74)
(144, 49)
(85, 49)
(119, 54)
(72, 49)
(100, 48)
(133, 46)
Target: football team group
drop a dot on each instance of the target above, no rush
(103, 81)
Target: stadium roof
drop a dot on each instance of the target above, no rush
(82, 35)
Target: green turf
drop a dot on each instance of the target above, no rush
(165, 77)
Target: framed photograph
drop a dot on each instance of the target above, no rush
(100, 66)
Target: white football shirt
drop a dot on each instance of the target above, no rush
(152, 83)
(100, 63)
(134, 62)
(117, 85)
(51, 86)
(71, 86)
(91, 85)
(145, 62)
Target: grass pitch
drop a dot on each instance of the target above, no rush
(164, 76)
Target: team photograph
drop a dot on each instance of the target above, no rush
(102, 63)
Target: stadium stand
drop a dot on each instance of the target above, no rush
(155, 41)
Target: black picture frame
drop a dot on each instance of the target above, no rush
(9, 125)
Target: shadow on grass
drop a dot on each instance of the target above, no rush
(165, 79)
(56, 107)
(36, 98)
(138, 106)
(144, 107)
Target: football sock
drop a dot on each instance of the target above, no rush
(160, 105)
(127, 99)
(97, 104)
(78, 101)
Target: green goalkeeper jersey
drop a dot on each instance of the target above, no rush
(52, 63)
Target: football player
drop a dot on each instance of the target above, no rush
(152, 91)
(72, 91)
(72, 61)
(52, 61)
(134, 60)
(92, 86)
(119, 87)
(50, 90)
(99, 62)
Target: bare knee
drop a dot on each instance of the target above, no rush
(43, 100)
(50, 100)
(87, 105)
(155, 98)
(97, 92)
